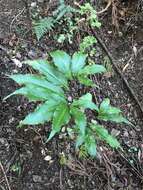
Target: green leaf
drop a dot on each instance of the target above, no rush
(42, 26)
(114, 110)
(80, 119)
(92, 69)
(49, 71)
(86, 102)
(42, 113)
(100, 131)
(104, 135)
(61, 13)
(86, 81)
(36, 80)
(106, 108)
(78, 62)
(80, 140)
(105, 104)
(62, 60)
(32, 93)
(22, 91)
(36, 93)
(118, 118)
(90, 145)
(110, 113)
(61, 117)
(113, 142)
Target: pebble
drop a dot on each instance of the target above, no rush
(41, 1)
(2, 141)
(37, 178)
(115, 132)
(32, 54)
(33, 4)
(63, 129)
(18, 55)
(17, 62)
(126, 134)
(48, 158)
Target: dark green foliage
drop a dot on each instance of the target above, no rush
(50, 86)
(42, 26)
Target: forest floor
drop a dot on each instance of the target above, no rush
(22, 152)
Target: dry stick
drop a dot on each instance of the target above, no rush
(1, 166)
(16, 18)
(118, 70)
(61, 184)
(137, 172)
(106, 8)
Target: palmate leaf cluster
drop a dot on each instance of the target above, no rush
(50, 86)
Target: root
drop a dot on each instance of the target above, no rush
(114, 4)
(106, 8)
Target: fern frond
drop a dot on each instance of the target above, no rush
(42, 26)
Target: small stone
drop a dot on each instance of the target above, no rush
(43, 152)
(33, 4)
(2, 141)
(15, 71)
(18, 55)
(63, 129)
(11, 120)
(115, 132)
(37, 178)
(69, 98)
(48, 158)
(32, 54)
(109, 32)
(17, 62)
(126, 134)
(41, 1)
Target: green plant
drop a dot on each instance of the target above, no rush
(16, 168)
(68, 31)
(51, 87)
(87, 44)
(107, 64)
(43, 25)
(91, 15)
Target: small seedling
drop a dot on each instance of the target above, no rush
(87, 44)
(107, 64)
(16, 168)
(91, 15)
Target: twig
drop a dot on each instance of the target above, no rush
(131, 91)
(61, 184)
(10, 162)
(1, 166)
(106, 8)
(16, 17)
(132, 166)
